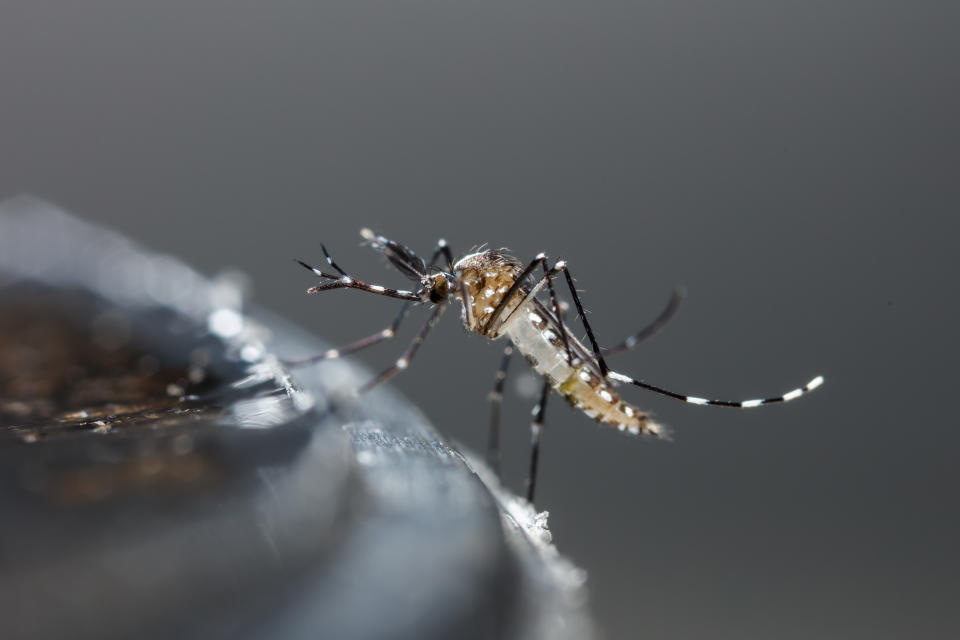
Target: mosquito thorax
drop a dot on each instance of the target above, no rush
(486, 277)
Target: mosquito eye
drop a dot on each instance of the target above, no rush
(440, 289)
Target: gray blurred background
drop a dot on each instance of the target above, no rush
(793, 164)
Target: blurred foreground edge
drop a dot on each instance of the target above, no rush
(162, 475)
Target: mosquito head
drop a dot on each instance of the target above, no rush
(435, 287)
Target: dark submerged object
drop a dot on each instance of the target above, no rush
(162, 475)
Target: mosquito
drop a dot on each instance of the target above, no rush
(501, 298)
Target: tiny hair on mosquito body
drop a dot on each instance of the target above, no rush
(501, 297)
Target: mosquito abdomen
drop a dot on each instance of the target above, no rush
(532, 336)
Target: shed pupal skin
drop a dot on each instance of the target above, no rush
(486, 278)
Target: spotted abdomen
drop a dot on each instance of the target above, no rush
(535, 338)
(585, 391)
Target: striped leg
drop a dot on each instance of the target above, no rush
(514, 288)
(740, 404)
(548, 276)
(619, 377)
(346, 282)
(496, 403)
(442, 249)
(539, 261)
(630, 342)
(404, 360)
(536, 428)
(363, 343)
(586, 325)
(404, 259)
(384, 334)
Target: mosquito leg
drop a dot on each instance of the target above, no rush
(536, 427)
(583, 318)
(444, 250)
(404, 258)
(619, 377)
(384, 334)
(346, 282)
(539, 260)
(404, 360)
(558, 310)
(401, 257)
(498, 311)
(333, 264)
(740, 404)
(548, 276)
(496, 402)
(535, 290)
(547, 280)
(651, 329)
(467, 303)
(363, 343)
